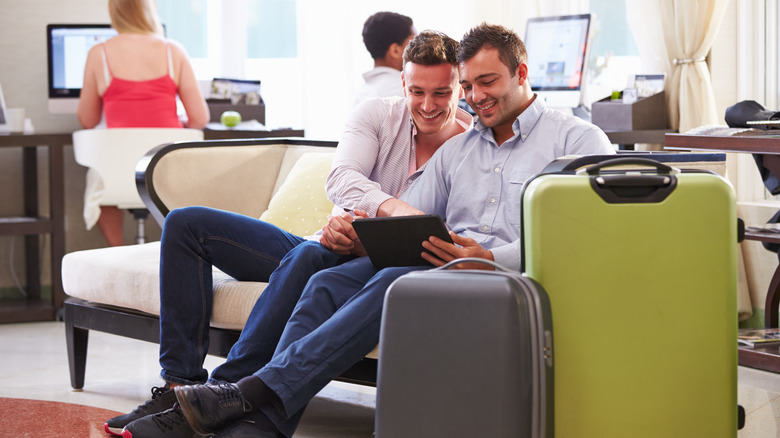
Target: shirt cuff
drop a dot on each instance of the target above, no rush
(508, 255)
(373, 200)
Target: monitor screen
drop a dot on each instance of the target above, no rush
(68, 45)
(557, 50)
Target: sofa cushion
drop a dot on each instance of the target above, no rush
(300, 206)
(128, 276)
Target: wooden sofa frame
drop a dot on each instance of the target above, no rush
(82, 316)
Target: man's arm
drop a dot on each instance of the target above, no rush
(339, 236)
(396, 207)
(349, 184)
(592, 141)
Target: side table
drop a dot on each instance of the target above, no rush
(31, 225)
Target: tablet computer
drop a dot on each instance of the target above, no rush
(397, 240)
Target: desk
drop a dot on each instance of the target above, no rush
(753, 142)
(229, 134)
(31, 225)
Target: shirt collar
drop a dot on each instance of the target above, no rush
(522, 126)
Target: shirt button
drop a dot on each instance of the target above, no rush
(497, 169)
(484, 228)
(523, 136)
(492, 200)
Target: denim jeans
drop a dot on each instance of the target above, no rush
(334, 325)
(196, 238)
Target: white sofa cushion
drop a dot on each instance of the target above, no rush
(128, 276)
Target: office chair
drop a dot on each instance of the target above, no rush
(113, 154)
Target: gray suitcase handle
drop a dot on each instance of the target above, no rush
(495, 265)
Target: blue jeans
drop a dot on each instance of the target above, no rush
(334, 325)
(196, 238)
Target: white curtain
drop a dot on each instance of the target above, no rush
(686, 29)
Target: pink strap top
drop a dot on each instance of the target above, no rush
(140, 104)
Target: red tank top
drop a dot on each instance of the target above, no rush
(140, 104)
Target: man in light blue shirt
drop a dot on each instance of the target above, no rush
(473, 181)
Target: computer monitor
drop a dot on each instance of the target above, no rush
(557, 52)
(68, 45)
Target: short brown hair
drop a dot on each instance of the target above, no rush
(134, 16)
(431, 47)
(511, 50)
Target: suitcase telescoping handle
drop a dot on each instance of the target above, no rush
(631, 186)
(495, 265)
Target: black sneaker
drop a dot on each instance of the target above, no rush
(209, 407)
(162, 399)
(166, 424)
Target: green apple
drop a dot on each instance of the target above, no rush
(230, 118)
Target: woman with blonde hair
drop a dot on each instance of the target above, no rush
(131, 81)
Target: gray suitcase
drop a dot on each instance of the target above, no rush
(465, 353)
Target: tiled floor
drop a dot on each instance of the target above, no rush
(120, 372)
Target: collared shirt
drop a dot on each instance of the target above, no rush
(376, 156)
(380, 82)
(475, 184)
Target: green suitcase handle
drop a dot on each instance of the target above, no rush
(660, 167)
(632, 186)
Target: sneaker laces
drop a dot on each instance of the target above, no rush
(170, 419)
(157, 392)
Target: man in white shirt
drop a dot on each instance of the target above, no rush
(385, 35)
(384, 147)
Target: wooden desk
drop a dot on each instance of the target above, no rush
(229, 134)
(752, 142)
(31, 225)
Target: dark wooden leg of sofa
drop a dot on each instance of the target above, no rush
(77, 350)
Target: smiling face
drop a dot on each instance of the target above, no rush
(492, 91)
(432, 93)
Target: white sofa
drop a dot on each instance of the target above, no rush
(116, 290)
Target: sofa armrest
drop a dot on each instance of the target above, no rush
(233, 175)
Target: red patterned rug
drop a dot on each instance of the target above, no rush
(34, 418)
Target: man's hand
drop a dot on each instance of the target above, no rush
(444, 252)
(339, 236)
(396, 207)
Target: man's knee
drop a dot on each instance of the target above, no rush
(315, 256)
(186, 215)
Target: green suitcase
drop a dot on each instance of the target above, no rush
(641, 272)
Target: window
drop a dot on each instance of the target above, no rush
(242, 39)
(271, 29)
(186, 21)
(614, 57)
